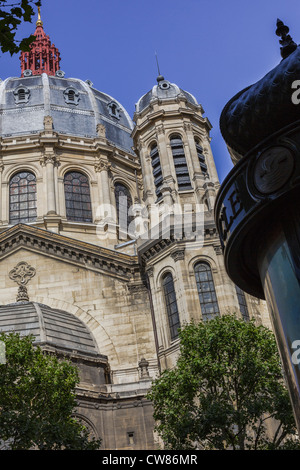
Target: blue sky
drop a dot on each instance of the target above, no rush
(211, 48)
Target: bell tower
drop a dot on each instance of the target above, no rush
(172, 139)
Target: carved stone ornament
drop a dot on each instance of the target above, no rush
(178, 254)
(101, 131)
(22, 274)
(48, 123)
(102, 165)
(49, 158)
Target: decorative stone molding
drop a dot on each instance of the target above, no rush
(101, 130)
(102, 165)
(48, 123)
(49, 158)
(22, 273)
(143, 366)
(218, 249)
(187, 126)
(76, 252)
(160, 129)
(178, 254)
(136, 287)
(150, 271)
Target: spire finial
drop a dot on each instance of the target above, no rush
(160, 77)
(39, 20)
(288, 45)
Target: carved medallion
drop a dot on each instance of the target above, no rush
(22, 273)
(273, 169)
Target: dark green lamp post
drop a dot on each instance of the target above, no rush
(258, 206)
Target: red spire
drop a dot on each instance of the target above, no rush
(43, 56)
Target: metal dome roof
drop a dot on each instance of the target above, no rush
(50, 326)
(164, 90)
(74, 105)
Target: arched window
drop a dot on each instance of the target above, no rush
(156, 168)
(21, 95)
(201, 157)
(206, 291)
(77, 196)
(242, 303)
(181, 169)
(22, 198)
(71, 95)
(114, 109)
(171, 304)
(123, 206)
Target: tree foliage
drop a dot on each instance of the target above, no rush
(12, 15)
(37, 399)
(226, 390)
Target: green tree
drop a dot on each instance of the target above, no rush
(12, 15)
(37, 399)
(226, 387)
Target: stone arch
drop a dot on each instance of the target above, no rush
(11, 170)
(206, 259)
(67, 167)
(161, 273)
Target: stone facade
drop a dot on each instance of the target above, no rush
(94, 269)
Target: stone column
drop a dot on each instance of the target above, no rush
(49, 161)
(51, 220)
(191, 155)
(102, 167)
(1, 208)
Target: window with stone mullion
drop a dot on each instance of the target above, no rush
(171, 305)
(206, 291)
(180, 164)
(77, 197)
(22, 198)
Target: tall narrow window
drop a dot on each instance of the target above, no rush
(206, 291)
(201, 157)
(22, 198)
(242, 303)
(77, 196)
(71, 95)
(171, 304)
(181, 169)
(156, 168)
(123, 207)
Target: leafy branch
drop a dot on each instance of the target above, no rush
(12, 15)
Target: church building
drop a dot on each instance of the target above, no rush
(107, 234)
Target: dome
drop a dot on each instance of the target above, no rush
(49, 326)
(75, 106)
(164, 90)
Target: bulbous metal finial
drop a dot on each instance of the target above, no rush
(288, 45)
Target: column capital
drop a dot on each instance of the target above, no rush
(102, 164)
(49, 158)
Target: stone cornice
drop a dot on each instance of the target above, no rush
(69, 250)
(171, 245)
(62, 142)
(171, 114)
